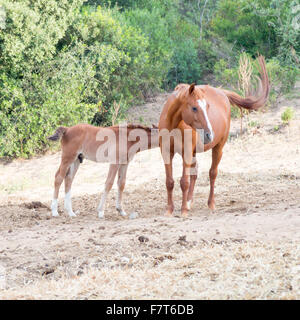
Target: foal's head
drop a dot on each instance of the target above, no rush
(194, 111)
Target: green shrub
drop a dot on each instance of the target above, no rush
(226, 76)
(154, 27)
(238, 22)
(185, 64)
(99, 62)
(282, 78)
(32, 108)
(32, 31)
(118, 51)
(287, 115)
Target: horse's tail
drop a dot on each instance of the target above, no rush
(58, 134)
(261, 96)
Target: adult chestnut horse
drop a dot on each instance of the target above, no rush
(208, 108)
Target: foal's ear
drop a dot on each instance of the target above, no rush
(192, 88)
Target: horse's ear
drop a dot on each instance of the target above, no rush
(192, 88)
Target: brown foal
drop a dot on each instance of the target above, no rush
(116, 145)
(202, 107)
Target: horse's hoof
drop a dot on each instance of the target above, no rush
(184, 214)
(211, 207)
(55, 214)
(101, 214)
(169, 214)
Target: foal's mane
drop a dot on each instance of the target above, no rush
(131, 126)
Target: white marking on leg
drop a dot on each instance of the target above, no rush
(54, 208)
(189, 204)
(203, 104)
(68, 204)
(101, 206)
(101, 214)
(119, 205)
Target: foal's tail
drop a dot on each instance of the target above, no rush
(261, 96)
(58, 134)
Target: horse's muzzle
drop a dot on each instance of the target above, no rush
(208, 137)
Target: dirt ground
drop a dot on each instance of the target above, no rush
(248, 249)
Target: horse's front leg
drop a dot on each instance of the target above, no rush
(216, 158)
(184, 184)
(170, 186)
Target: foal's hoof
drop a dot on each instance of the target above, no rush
(122, 212)
(101, 214)
(55, 214)
(72, 214)
(169, 214)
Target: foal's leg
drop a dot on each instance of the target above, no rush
(121, 186)
(113, 168)
(68, 184)
(216, 158)
(170, 186)
(59, 178)
(193, 178)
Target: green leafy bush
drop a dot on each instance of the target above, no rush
(287, 115)
(282, 78)
(185, 64)
(99, 61)
(156, 29)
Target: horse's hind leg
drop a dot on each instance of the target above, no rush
(59, 178)
(113, 168)
(68, 184)
(121, 186)
(216, 158)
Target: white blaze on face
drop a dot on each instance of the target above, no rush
(202, 105)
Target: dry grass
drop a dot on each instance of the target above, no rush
(225, 270)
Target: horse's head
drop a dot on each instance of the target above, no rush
(194, 111)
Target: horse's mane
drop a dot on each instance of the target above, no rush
(131, 126)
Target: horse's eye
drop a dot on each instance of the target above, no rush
(194, 109)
